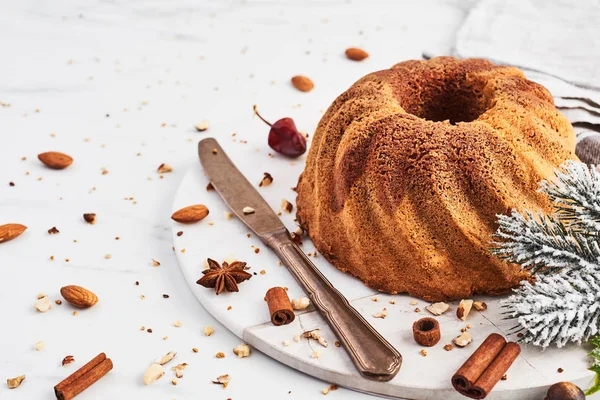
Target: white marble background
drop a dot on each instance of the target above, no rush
(105, 80)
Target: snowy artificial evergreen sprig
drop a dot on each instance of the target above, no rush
(562, 250)
(576, 196)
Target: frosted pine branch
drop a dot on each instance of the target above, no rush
(559, 308)
(543, 244)
(576, 196)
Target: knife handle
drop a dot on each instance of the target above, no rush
(372, 355)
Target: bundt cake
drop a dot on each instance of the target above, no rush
(410, 166)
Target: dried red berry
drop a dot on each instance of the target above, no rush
(284, 137)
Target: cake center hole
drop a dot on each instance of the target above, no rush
(454, 99)
(426, 326)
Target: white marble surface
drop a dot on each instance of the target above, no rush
(112, 79)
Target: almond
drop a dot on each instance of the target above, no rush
(302, 83)
(10, 231)
(356, 54)
(155, 371)
(78, 296)
(190, 214)
(55, 160)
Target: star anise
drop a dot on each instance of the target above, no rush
(224, 277)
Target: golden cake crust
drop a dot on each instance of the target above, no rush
(410, 166)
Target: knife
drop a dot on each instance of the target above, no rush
(372, 355)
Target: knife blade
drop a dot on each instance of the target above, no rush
(236, 191)
(372, 355)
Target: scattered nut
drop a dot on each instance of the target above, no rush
(266, 180)
(222, 380)
(90, 218)
(356, 54)
(287, 206)
(53, 231)
(220, 354)
(39, 345)
(177, 324)
(315, 354)
(164, 168)
(14, 383)
(195, 349)
(78, 296)
(464, 308)
(55, 160)
(243, 350)
(190, 214)
(155, 371)
(480, 305)
(463, 339)
(316, 335)
(208, 330)
(286, 343)
(179, 369)
(68, 360)
(202, 126)
(423, 352)
(300, 304)
(381, 314)
(155, 263)
(43, 304)
(228, 215)
(166, 358)
(11, 231)
(413, 302)
(438, 308)
(448, 347)
(248, 210)
(302, 83)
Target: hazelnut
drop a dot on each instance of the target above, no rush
(564, 391)
(426, 332)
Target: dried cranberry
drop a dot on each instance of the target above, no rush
(284, 137)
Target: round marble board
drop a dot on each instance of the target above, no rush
(245, 313)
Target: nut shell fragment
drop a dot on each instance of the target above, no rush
(166, 358)
(243, 350)
(480, 305)
(464, 308)
(300, 304)
(438, 308)
(14, 383)
(463, 339)
(43, 304)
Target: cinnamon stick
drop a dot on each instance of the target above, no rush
(480, 373)
(83, 378)
(496, 370)
(473, 368)
(280, 306)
